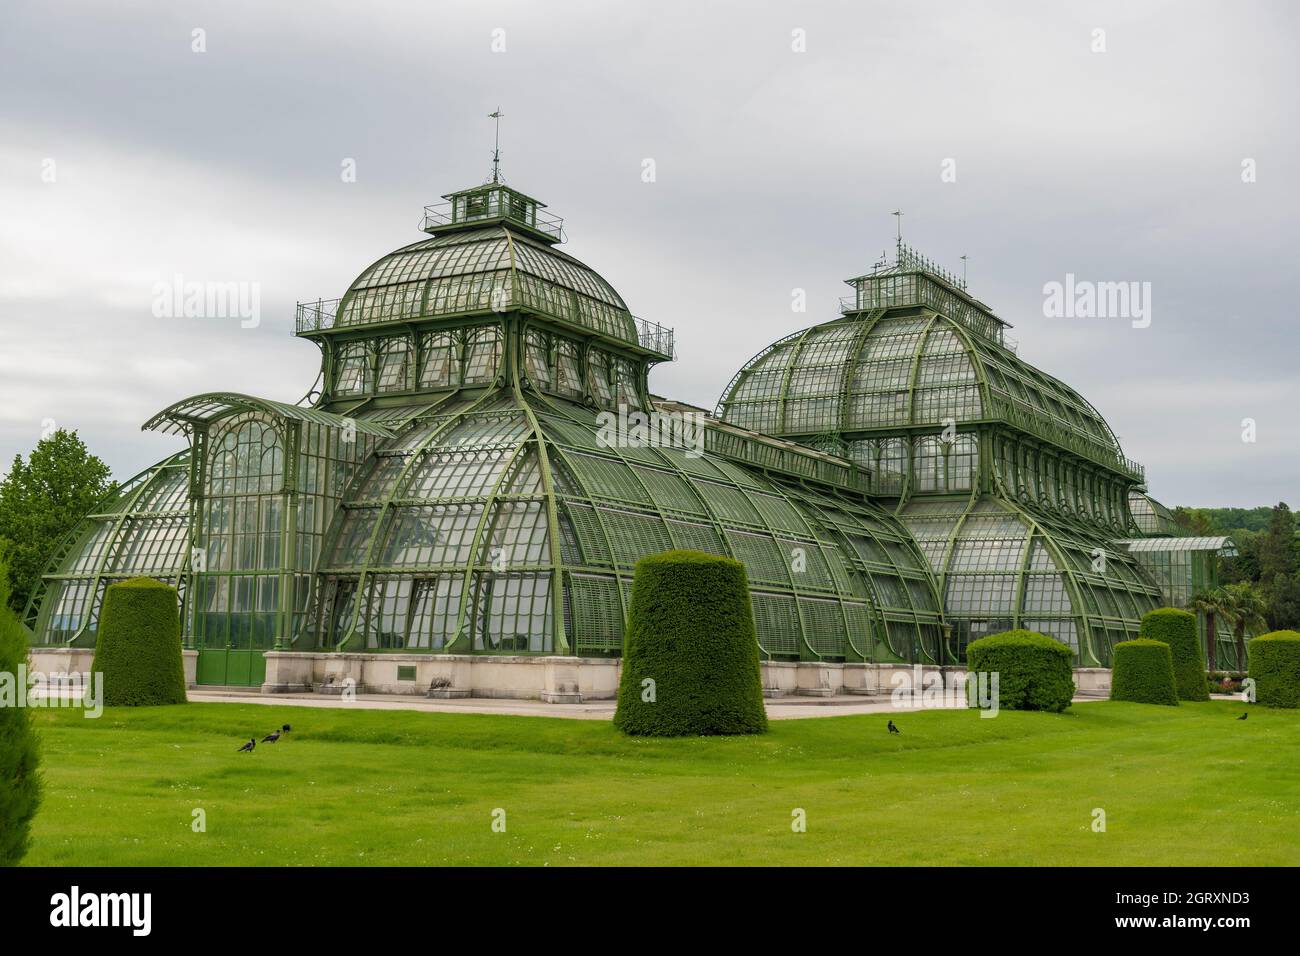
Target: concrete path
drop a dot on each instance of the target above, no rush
(783, 708)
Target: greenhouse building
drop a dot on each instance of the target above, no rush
(458, 503)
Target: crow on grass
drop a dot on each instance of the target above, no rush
(252, 742)
(893, 729)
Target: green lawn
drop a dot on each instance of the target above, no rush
(1185, 785)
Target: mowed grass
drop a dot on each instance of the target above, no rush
(1185, 785)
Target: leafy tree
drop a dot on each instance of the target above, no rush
(40, 501)
(1284, 602)
(1244, 565)
(20, 785)
(1213, 603)
(1277, 549)
(1246, 608)
(1194, 520)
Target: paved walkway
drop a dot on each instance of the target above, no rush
(783, 708)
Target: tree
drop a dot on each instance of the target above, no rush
(1277, 548)
(41, 499)
(1283, 594)
(20, 786)
(1245, 607)
(1213, 603)
(1194, 520)
(1244, 565)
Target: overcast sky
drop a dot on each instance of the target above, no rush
(126, 157)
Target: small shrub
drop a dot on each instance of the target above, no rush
(1143, 671)
(691, 631)
(138, 647)
(20, 785)
(1177, 628)
(1275, 668)
(1034, 671)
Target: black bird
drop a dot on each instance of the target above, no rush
(893, 729)
(252, 742)
(1244, 716)
(272, 737)
(285, 728)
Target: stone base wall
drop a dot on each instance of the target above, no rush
(556, 680)
(78, 660)
(576, 679)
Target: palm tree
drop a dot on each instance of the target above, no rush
(1245, 608)
(1211, 602)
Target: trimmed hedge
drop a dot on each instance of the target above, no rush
(20, 784)
(1034, 671)
(690, 630)
(1142, 670)
(1275, 667)
(1177, 628)
(138, 648)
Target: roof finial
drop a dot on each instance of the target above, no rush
(963, 271)
(496, 146)
(898, 246)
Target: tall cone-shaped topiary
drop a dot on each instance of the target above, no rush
(20, 785)
(138, 647)
(1142, 671)
(1177, 628)
(690, 656)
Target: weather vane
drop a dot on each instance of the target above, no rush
(496, 146)
(898, 213)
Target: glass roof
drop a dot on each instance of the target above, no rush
(1151, 516)
(1219, 544)
(201, 409)
(1003, 565)
(887, 370)
(470, 488)
(485, 270)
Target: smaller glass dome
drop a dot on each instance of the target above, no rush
(873, 371)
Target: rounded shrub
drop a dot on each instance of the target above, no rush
(1275, 668)
(1177, 628)
(690, 655)
(1142, 670)
(20, 785)
(1034, 671)
(138, 648)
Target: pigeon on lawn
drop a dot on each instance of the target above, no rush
(893, 729)
(1244, 716)
(252, 742)
(272, 737)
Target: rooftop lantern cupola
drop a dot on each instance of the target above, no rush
(491, 203)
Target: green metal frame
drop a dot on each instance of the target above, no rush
(478, 512)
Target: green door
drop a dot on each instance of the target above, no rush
(232, 649)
